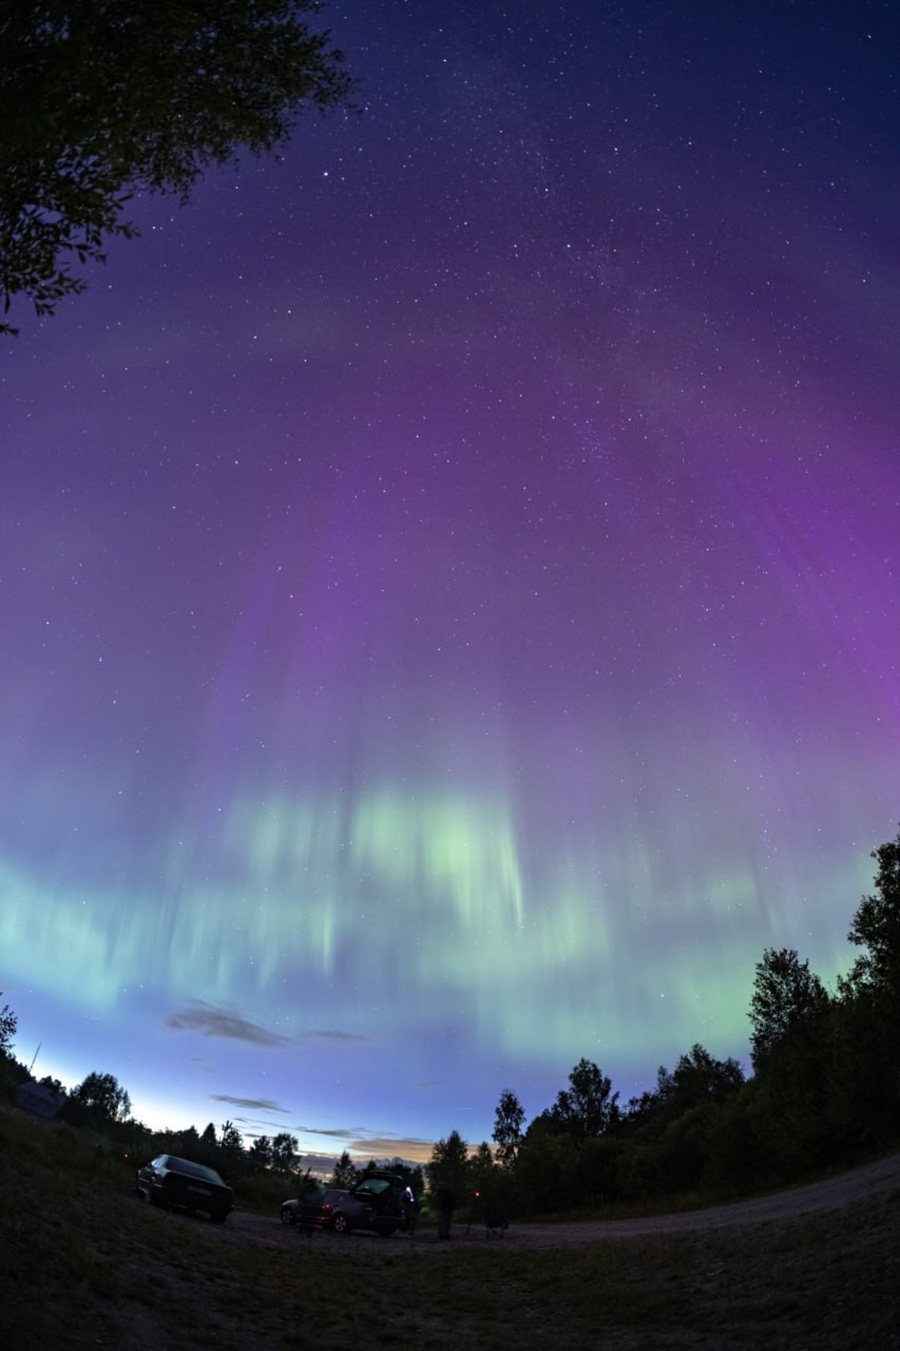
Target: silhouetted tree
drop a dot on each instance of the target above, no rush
(231, 1142)
(483, 1175)
(787, 999)
(792, 1019)
(261, 1151)
(509, 1121)
(8, 1025)
(588, 1106)
(102, 1097)
(682, 1152)
(284, 1152)
(699, 1077)
(449, 1165)
(867, 1061)
(876, 929)
(189, 1142)
(598, 1167)
(546, 1169)
(646, 1110)
(103, 98)
(448, 1178)
(345, 1172)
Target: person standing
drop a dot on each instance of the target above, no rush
(446, 1201)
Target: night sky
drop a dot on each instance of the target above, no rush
(449, 578)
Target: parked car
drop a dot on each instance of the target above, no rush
(379, 1202)
(171, 1181)
(333, 1209)
(390, 1198)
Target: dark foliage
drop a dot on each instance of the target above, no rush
(8, 1025)
(449, 1167)
(787, 1004)
(588, 1107)
(99, 1098)
(509, 1120)
(345, 1172)
(876, 929)
(105, 98)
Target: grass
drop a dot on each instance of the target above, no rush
(84, 1264)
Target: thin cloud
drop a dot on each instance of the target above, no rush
(260, 1104)
(335, 1133)
(258, 1122)
(203, 1065)
(212, 1022)
(361, 1142)
(368, 1145)
(336, 1036)
(410, 1150)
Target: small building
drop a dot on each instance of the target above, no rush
(39, 1100)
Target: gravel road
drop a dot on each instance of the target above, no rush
(833, 1194)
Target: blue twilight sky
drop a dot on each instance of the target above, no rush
(449, 578)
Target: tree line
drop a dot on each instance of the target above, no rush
(824, 1091)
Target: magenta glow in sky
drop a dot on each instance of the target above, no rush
(449, 579)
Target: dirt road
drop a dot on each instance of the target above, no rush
(833, 1194)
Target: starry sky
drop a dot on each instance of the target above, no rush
(449, 578)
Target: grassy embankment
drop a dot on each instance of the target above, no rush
(84, 1264)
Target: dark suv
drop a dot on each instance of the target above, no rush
(171, 1181)
(380, 1202)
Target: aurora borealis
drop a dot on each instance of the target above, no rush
(449, 578)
